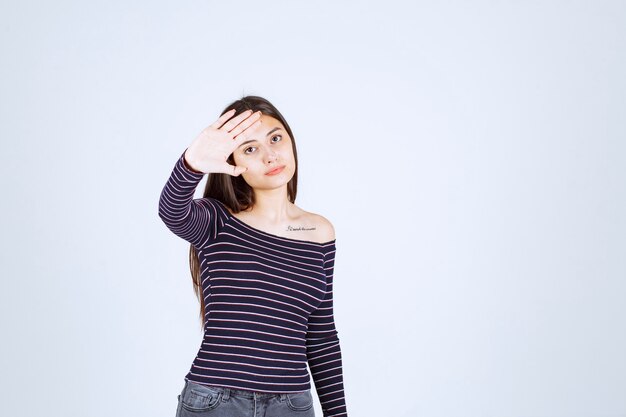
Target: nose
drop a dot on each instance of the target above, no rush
(271, 156)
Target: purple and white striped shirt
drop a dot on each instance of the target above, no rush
(268, 300)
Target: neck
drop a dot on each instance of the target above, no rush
(272, 205)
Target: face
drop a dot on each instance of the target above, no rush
(268, 147)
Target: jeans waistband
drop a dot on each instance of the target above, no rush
(228, 392)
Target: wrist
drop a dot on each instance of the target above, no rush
(189, 166)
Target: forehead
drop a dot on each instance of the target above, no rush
(268, 124)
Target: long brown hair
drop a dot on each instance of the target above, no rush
(235, 192)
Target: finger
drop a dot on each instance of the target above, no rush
(236, 120)
(245, 134)
(248, 122)
(222, 119)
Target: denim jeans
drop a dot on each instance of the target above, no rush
(213, 401)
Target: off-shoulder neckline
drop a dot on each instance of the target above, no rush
(271, 235)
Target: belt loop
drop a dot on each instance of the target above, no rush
(226, 394)
(283, 397)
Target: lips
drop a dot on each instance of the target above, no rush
(275, 170)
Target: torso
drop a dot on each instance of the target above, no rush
(303, 225)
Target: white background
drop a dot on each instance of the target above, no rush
(470, 154)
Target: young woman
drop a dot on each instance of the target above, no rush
(262, 269)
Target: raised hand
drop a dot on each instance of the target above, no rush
(212, 147)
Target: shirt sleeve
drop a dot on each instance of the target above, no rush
(195, 220)
(323, 349)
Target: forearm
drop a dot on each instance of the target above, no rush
(325, 362)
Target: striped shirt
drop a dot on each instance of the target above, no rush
(268, 300)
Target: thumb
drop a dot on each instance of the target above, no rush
(239, 170)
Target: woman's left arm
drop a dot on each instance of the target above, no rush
(323, 349)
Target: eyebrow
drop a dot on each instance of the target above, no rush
(253, 140)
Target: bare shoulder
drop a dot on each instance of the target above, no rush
(325, 231)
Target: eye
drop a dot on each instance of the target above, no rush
(254, 147)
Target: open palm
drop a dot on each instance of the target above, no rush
(212, 147)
